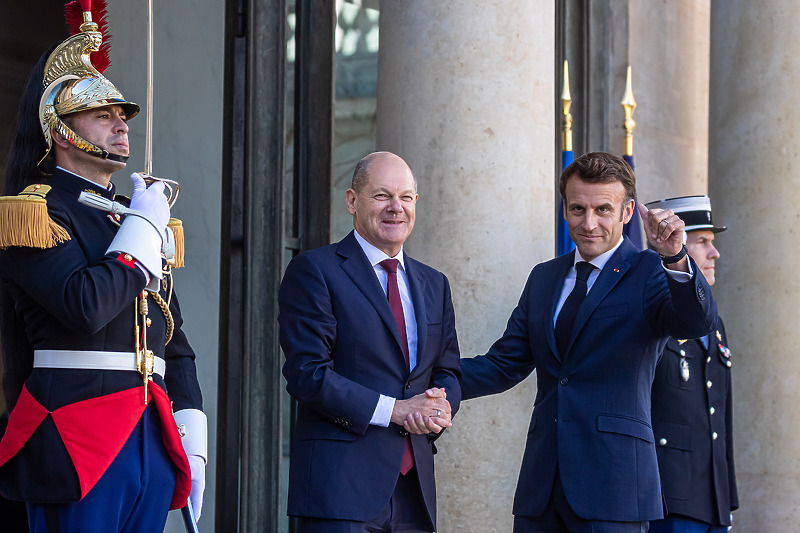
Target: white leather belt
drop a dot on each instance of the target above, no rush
(85, 359)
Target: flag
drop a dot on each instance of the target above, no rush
(564, 243)
(633, 229)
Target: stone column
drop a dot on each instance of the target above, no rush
(666, 45)
(754, 164)
(466, 97)
(668, 53)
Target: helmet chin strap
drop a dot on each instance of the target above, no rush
(118, 158)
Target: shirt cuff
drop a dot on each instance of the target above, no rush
(383, 411)
(677, 275)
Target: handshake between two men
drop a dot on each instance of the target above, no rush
(424, 413)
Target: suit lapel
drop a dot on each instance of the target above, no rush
(416, 287)
(358, 269)
(553, 296)
(612, 273)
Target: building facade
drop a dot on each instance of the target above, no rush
(263, 106)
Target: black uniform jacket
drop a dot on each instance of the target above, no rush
(75, 297)
(692, 424)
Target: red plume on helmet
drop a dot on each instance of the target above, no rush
(73, 13)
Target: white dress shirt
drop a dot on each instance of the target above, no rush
(383, 411)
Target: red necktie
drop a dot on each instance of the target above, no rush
(393, 294)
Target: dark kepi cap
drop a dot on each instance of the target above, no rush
(695, 211)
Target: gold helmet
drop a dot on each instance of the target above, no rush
(72, 84)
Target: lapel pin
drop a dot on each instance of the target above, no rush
(616, 270)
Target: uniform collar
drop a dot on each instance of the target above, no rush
(73, 183)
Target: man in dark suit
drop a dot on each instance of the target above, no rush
(372, 360)
(590, 462)
(692, 404)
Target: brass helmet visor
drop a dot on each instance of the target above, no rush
(83, 94)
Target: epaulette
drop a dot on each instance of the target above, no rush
(177, 230)
(24, 220)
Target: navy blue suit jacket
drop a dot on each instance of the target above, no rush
(591, 416)
(342, 351)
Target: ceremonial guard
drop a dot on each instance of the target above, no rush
(692, 404)
(95, 360)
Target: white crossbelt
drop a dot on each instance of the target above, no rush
(86, 359)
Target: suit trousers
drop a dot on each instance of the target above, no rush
(405, 513)
(679, 524)
(133, 495)
(559, 517)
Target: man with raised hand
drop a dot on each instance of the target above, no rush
(592, 323)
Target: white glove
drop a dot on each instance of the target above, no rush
(198, 467)
(150, 200)
(142, 236)
(193, 427)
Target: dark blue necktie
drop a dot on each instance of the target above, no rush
(566, 318)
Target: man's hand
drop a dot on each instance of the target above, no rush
(424, 413)
(197, 465)
(664, 230)
(150, 200)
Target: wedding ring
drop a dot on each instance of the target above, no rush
(438, 412)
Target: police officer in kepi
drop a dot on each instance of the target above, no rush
(692, 404)
(107, 431)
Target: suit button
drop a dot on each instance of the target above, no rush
(708, 384)
(711, 410)
(403, 433)
(714, 435)
(728, 364)
(708, 359)
(408, 386)
(662, 442)
(683, 353)
(564, 381)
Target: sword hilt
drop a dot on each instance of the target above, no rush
(101, 203)
(172, 196)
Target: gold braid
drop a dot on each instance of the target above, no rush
(167, 315)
